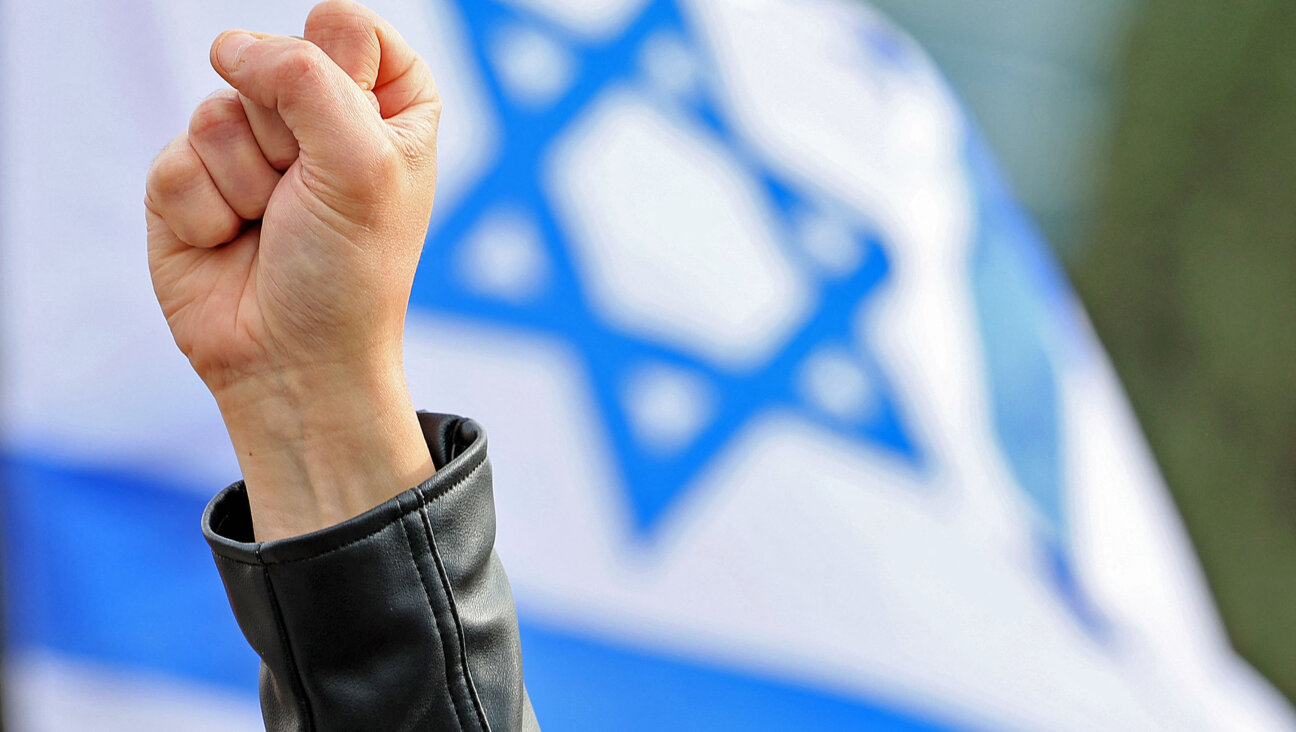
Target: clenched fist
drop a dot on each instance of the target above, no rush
(284, 228)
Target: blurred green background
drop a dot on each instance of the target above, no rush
(1155, 143)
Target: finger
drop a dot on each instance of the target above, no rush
(278, 146)
(345, 31)
(181, 192)
(318, 102)
(377, 58)
(221, 135)
(168, 256)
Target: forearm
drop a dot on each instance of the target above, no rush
(321, 446)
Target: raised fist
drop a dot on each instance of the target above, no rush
(284, 228)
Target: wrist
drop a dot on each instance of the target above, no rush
(321, 446)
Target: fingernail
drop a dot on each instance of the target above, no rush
(230, 46)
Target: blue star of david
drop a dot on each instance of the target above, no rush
(654, 478)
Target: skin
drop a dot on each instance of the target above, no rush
(284, 228)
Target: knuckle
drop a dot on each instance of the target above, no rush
(171, 174)
(339, 27)
(342, 23)
(418, 139)
(153, 218)
(436, 106)
(228, 228)
(431, 92)
(281, 158)
(303, 66)
(328, 11)
(421, 151)
(208, 230)
(371, 173)
(218, 117)
(386, 164)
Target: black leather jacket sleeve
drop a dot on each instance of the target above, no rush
(398, 619)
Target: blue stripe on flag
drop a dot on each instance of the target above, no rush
(579, 684)
(113, 568)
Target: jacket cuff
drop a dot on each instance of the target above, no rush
(400, 618)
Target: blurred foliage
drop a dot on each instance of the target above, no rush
(1191, 282)
(1037, 76)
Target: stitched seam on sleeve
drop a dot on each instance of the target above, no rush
(429, 497)
(295, 678)
(232, 560)
(325, 553)
(454, 614)
(427, 593)
(370, 535)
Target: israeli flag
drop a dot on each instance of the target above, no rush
(795, 423)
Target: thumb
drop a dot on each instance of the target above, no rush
(318, 101)
(381, 62)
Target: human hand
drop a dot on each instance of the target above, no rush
(284, 228)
